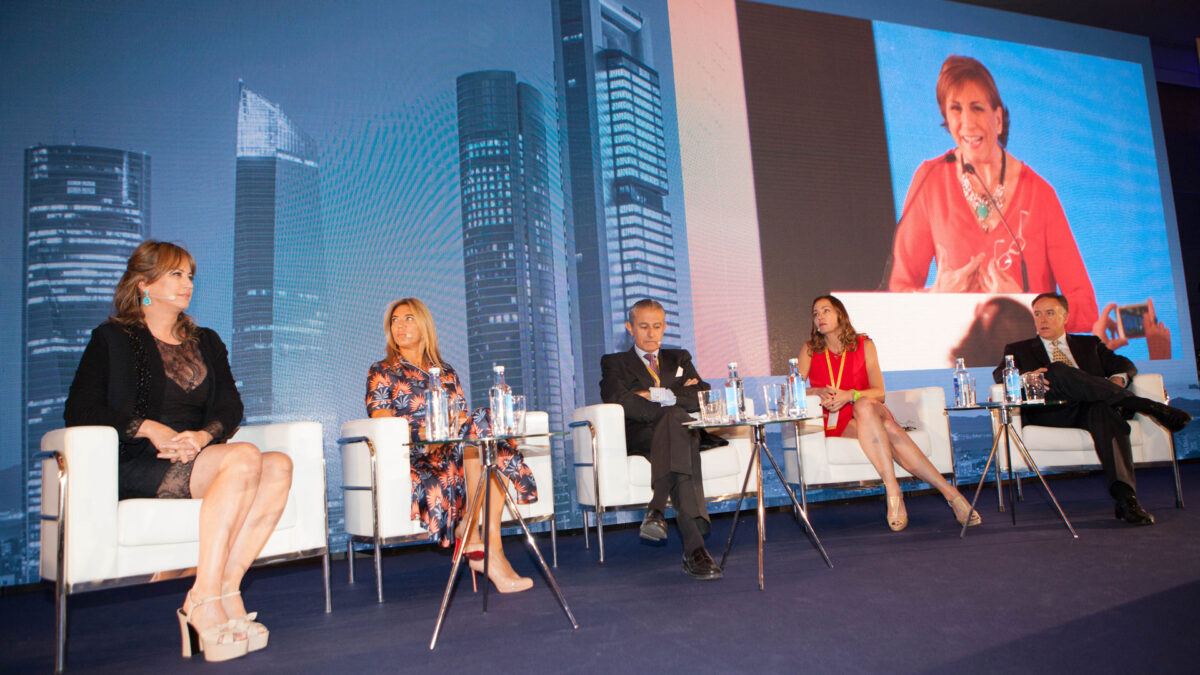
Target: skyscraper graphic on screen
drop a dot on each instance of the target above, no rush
(614, 155)
(86, 209)
(509, 245)
(278, 255)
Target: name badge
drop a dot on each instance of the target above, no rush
(831, 423)
(679, 371)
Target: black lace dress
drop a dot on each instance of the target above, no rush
(183, 408)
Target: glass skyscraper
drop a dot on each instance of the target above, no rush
(278, 258)
(512, 240)
(86, 209)
(508, 237)
(614, 155)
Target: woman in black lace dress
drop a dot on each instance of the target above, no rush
(164, 384)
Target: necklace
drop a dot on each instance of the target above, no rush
(980, 205)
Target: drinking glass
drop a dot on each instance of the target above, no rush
(775, 403)
(458, 415)
(712, 406)
(518, 415)
(970, 394)
(1034, 386)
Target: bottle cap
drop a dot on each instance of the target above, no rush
(498, 368)
(793, 361)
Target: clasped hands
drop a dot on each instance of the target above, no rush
(833, 399)
(176, 446)
(977, 276)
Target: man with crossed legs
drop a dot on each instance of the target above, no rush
(658, 388)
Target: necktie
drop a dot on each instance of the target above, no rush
(653, 363)
(1058, 356)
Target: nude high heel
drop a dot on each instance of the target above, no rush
(960, 507)
(515, 584)
(256, 633)
(896, 513)
(217, 643)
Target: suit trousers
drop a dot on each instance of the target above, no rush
(1092, 406)
(674, 453)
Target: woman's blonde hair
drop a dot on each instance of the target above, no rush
(150, 260)
(425, 320)
(849, 336)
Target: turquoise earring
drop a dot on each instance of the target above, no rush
(146, 300)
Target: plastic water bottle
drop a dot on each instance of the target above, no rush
(437, 407)
(735, 395)
(500, 402)
(960, 384)
(1012, 380)
(797, 389)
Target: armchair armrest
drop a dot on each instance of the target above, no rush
(390, 438)
(89, 456)
(607, 420)
(925, 408)
(303, 443)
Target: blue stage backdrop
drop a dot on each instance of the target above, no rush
(527, 168)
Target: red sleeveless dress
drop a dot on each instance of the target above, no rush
(823, 372)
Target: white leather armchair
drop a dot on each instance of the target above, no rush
(100, 542)
(1068, 449)
(606, 479)
(377, 485)
(841, 463)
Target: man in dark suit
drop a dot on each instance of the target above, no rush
(658, 388)
(1081, 370)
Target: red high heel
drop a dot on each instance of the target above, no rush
(473, 554)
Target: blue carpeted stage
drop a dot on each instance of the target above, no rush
(1004, 599)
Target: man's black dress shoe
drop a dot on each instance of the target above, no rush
(699, 565)
(1170, 417)
(1129, 510)
(654, 526)
(709, 441)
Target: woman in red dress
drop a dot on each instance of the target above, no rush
(843, 369)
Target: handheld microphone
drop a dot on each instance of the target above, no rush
(948, 158)
(969, 168)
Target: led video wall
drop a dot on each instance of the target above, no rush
(531, 168)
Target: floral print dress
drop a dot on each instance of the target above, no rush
(439, 487)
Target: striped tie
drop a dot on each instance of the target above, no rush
(1058, 356)
(653, 363)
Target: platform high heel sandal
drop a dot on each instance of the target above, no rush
(256, 633)
(896, 513)
(960, 507)
(217, 643)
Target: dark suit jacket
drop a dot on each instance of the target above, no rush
(623, 373)
(1090, 354)
(105, 389)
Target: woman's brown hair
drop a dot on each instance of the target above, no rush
(425, 320)
(150, 260)
(959, 70)
(849, 336)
